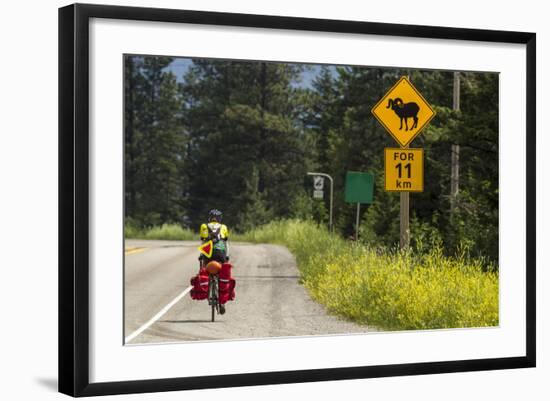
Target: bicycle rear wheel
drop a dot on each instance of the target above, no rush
(213, 295)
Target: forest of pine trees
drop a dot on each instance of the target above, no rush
(240, 136)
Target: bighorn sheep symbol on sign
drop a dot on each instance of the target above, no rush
(404, 111)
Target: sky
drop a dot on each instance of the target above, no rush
(180, 66)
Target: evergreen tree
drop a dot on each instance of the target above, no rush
(247, 140)
(155, 142)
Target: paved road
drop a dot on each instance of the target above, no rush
(269, 299)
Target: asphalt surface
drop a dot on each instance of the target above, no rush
(269, 302)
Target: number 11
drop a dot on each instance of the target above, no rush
(407, 167)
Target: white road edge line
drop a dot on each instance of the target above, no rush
(157, 316)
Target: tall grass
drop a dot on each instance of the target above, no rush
(392, 290)
(165, 232)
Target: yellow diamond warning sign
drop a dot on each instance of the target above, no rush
(404, 170)
(403, 112)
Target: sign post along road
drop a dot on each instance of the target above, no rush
(404, 112)
(404, 169)
(331, 182)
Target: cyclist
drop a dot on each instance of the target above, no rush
(218, 233)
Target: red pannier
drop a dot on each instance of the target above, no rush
(200, 285)
(226, 284)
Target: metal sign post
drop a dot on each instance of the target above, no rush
(357, 222)
(331, 193)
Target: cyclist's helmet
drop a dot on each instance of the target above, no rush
(215, 215)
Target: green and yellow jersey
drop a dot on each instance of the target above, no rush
(216, 229)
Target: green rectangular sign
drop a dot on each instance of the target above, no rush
(359, 187)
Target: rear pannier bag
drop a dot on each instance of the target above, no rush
(200, 286)
(227, 290)
(225, 271)
(226, 283)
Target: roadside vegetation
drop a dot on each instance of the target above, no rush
(389, 289)
(164, 232)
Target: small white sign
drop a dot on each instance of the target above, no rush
(318, 183)
(318, 194)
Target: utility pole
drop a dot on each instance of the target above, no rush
(455, 148)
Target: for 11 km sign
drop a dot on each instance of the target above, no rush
(404, 169)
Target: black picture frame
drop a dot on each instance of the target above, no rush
(74, 194)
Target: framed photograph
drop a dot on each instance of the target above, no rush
(276, 200)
